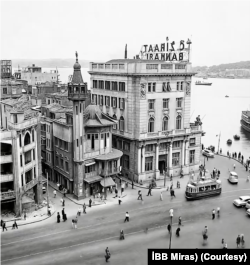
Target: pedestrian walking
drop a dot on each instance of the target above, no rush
(172, 194)
(161, 197)
(213, 214)
(239, 156)
(90, 202)
(246, 167)
(84, 208)
(79, 211)
(14, 225)
(234, 166)
(171, 177)
(58, 217)
(75, 223)
(122, 237)
(218, 211)
(132, 184)
(139, 195)
(149, 191)
(227, 153)
(169, 228)
(207, 158)
(63, 203)
(61, 200)
(4, 226)
(220, 151)
(108, 255)
(64, 192)
(242, 159)
(54, 192)
(223, 242)
(126, 217)
(238, 240)
(178, 231)
(178, 184)
(218, 173)
(204, 233)
(24, 215)
(64, 216)
(179, 221)
(242, 240)
(119, 200)
(116, 192)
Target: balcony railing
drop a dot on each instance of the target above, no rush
(7, 195)
(6, 159)
(6, 178)
(29, 147)
(90, 174)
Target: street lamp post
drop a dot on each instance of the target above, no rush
(166, 168)
(47, 192)
(171, 213)
(219, 144)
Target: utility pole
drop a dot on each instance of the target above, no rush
(219, 144)
(47, 192)
(165, 175)
(171, 212)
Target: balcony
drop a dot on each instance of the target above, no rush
(6, 158)
(23, 125)
(29, 147)
(90, 174)
(28, 186)
(6, 178)
(7, 195)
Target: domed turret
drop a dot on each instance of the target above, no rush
(92, 110)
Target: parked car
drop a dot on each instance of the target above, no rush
(242, 201)
(248, 205)
(248, 212)
(233, 177)
(211, 147)
(208, 153)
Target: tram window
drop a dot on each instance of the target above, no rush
(208, 188)
(201, 189)
(213, 187)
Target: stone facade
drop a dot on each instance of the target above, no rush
(156, 115)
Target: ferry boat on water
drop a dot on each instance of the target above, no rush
(245, 120)
(203, 83)
(204, 186)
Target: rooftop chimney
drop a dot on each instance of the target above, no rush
(125, 56)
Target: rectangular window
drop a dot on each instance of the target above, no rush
(66, 146)
(22, 179)
(126, 146)
(88, 136)
(126, 161)
(192, 141)
(121, 103)
(96, 136)
(178, 86)
(57, 161)
(191, 156)
(76, 110)
(149, 148)
(153, 88)
(165, 103)
(105, 140)
(107, 101)
(176, 144)
(168, 86)
(151, 66)
(179, 102)
(92, 141)
(34, 172)
(94, 83)
(149, 87)
(114, 86)
(61, 163)
(151, 104)
(101, 135)
(56, 141)
(121, 66)
(114, 102)
(122, 86)
(101, 84)
(163, 146)
(107, 85)
(77, 143)
(149, 163)
(107, 66)
(60, 143)
(176, 159)
(34, 156)
(67, 166)
(180, 66)
(181, 86)
(166, 66)
(114, 66)
(33, 138)
(21, 161)
(100, 66)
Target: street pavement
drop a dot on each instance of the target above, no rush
(51, 243)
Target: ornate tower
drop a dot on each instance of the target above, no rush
(78, 93)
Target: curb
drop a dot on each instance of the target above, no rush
(74, 201)
(243, 164)
(33, 221)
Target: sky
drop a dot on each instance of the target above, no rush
(99, 30)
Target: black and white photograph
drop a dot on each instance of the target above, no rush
(125, 131)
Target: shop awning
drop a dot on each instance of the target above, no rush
(6, 141)
(93, 179)
(89, 163)
(107, 182)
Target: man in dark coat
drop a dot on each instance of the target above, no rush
(58, 217)
(4, 226)
(178, 231)
(90, 201)
(84, 208)
(169, 228)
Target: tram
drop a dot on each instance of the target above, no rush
(202, 187)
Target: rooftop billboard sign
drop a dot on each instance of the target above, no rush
(167, 51)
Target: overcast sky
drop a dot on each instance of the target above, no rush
(99, 30)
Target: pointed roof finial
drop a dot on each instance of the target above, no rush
(76, 57)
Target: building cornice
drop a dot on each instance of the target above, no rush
(142, 74)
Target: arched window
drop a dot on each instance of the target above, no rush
(151, 124)
(115, 125)
(27, 139)
(121, 124)
(165, 124)
(178, 122)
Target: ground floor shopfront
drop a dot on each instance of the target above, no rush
(153, 158)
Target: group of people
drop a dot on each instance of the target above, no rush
(177, 232)
(215, 173)
(64, 216)
(235, 156)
